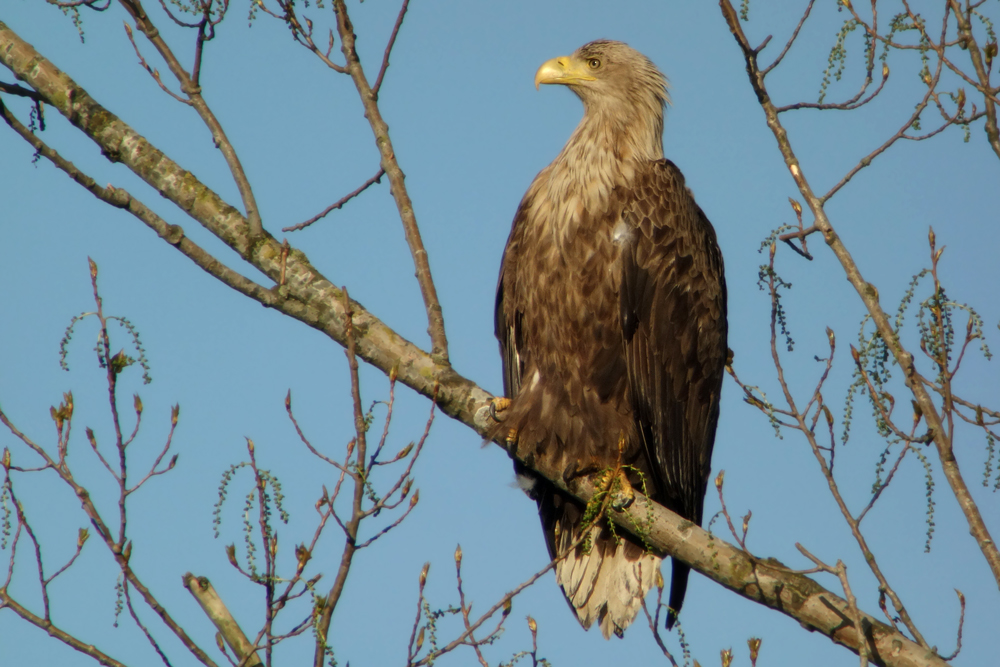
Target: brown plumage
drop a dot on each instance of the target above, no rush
(611, 317)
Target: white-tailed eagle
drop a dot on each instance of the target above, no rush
(611, 317)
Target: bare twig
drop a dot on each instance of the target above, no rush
(465, 609)
(302, 35)
(56, 632)
(654, 622)
(302, 436)
(142, 626)
(192, 89)
(900, 134)
(357, 511)
(840, 571)
(153, 472)
(388, 49)
(848, 105)
(20, 91)
(439, 342)
(788, 45)
(377, 178)
(152, 72)
(961, 624)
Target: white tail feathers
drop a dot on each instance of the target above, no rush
(608, 584)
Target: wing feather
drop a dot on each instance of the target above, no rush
(507, 317)
(673, 312)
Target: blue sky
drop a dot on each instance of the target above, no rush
(470, 132)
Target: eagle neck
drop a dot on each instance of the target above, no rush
(605, 152)
(633, 132)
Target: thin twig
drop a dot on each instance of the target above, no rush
(377, 178)
(388, 49)
(961, 624)
(152, 72)
(153, 472)
(801, 235)
(190, 88)
(20, 91)
(357, 511)
(840, 571)
(654, 623)
(465, 609)
(788, 45)
(373, 461)
(435, 319)
(145, 630)
(303, 438)
(302, 35)
(849, 105)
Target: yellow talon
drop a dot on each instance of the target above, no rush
(620, 490)
(622, 493)
(498, 404)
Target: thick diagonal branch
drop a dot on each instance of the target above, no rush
(213, 606)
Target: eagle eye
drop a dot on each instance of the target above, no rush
(594, 63)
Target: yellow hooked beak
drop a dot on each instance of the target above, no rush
(564, 69)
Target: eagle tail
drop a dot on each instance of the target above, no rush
(606, 584)
(678, 587)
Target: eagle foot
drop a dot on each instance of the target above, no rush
(619, 489)
(498, 404)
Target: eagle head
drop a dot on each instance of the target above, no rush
(606, 73)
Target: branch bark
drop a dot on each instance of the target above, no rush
(213, 606)
(307, 296)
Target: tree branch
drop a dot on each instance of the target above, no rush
(192, 89)
(213, 606)
(57, 633)
(388, 48)
(913, 379)
(305, 294)
(369, 98)
(310, 298)
(377, 178)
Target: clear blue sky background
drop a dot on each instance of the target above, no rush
(470, 132)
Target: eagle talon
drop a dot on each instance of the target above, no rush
(622, 495)
(498, 404)
(620, 490)
(620, 504)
